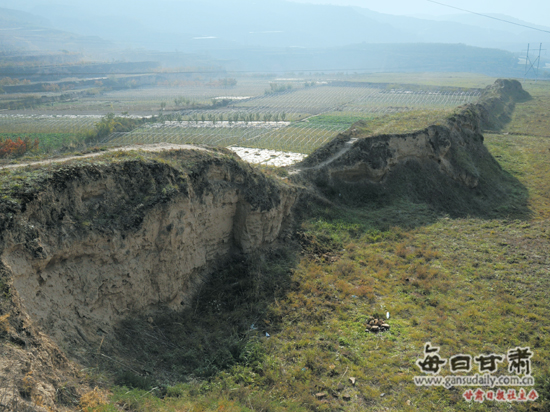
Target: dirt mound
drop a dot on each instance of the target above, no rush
(85, 246)
(496, 104)
(446, 165)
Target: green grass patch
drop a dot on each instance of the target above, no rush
(406, 122)
(336, 120)
(531, 118)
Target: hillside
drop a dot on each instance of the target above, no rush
(445, 165)
(278, 36)
(199, 25)
(187, 279)
(90, 244)
(33, 33)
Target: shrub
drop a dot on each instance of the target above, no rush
(132, 380)
(116, 124)
(18, 147)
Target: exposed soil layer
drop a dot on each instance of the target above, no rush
(93, 243)
(85, 246)
(445, 165)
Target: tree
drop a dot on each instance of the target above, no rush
(229, 82)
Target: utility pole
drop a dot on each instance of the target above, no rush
(530, 65)
(538, 63)
(527, 61)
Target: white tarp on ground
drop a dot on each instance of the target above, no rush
(267, 157)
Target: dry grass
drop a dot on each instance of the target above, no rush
(4, 323)
(93, 400)
(468, 285)
(404, 122)
(531, 118)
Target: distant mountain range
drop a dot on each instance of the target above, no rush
(190, 25)
(470, 29)
(264, 34)
(20, 31)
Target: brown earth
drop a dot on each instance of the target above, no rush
(446, 165)
(91, 242)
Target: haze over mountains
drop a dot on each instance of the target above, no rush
(218, 27)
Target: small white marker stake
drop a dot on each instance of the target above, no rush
(387, 315)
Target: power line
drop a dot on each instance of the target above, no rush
(489, 17)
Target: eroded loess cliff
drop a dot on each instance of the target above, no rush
(90, 244)
(445, 165)
(85, 245)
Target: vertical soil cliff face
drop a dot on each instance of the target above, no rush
(104, 242)
(87, 245)
(446, 165)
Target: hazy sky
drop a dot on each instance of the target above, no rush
(535, 11)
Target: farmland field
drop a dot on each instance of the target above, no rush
(280, 114)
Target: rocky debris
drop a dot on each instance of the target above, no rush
(346, 397)
(327, 257)
(376, 325)
(321, 395)
(352, 380)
